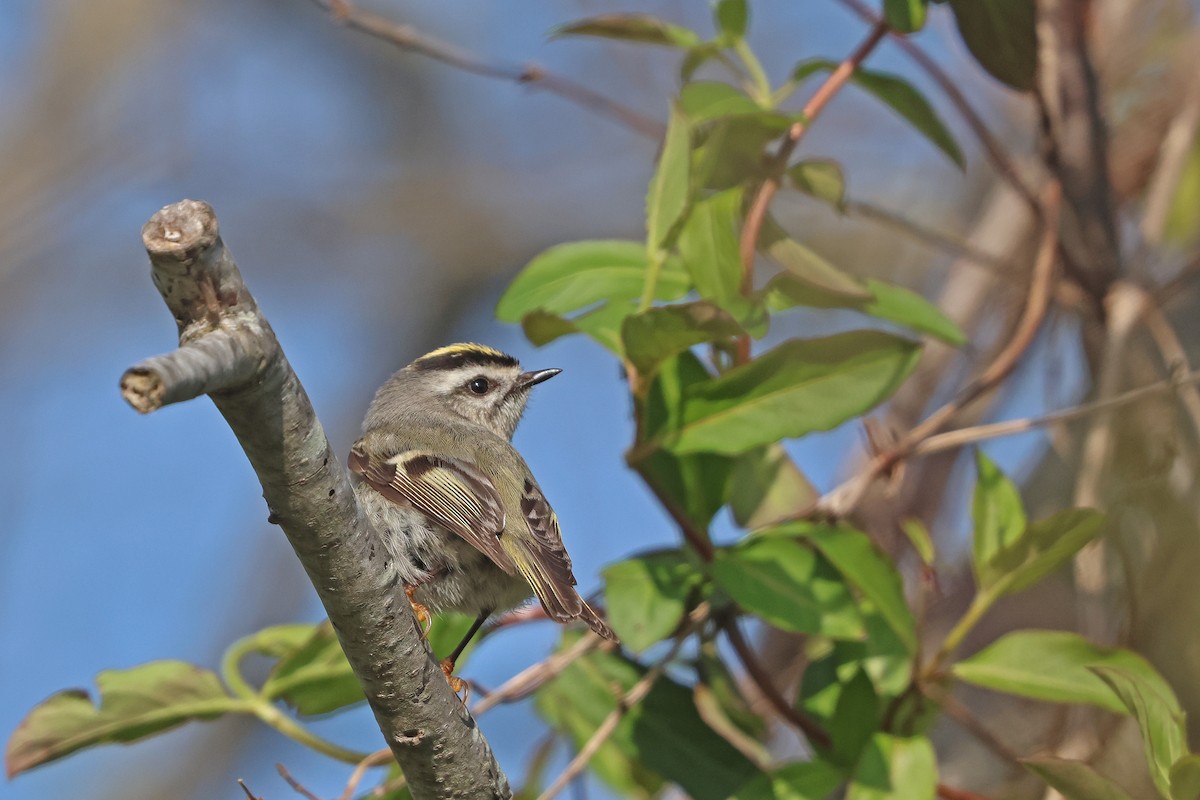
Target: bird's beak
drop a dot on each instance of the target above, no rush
(528, 379)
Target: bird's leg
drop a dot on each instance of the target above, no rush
(456, 683)
(419, 609)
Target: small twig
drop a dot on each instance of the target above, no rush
(531, 678)
(376, 759)
(1172, 156)
(1001, 161)
(978, 433)
(766, 191)
(246, 789)
(762, 680)
(845, 497)
(295, 784)
(406, 37)
(625, 702)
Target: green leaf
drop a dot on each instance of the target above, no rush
(1159, 717)
(708, 245)
(657, 334)
(855, 719)
(802, 780)
(905, 16)
(705, 101)
(668, 195)
(999, 519)
(1001, 35)
(695, 485)
(1052, 666)
(639, 28)
(1185, 778)
(663, 734)
(314, 677)
(798, 387)
(884, 301)
(895, 768)
(789, 586)
(901, 96)
(1075, 780)
(577, 275)
(731, 17)
(807, 266)
(919, 538)
(1045, 546)
(718, 694)
(134, 704)
(869, 571)
(696, 57)
(646, 596)
(821, 178)
(767, 487)
(731, 152)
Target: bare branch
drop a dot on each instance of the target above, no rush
(308, 492)
(406, 37)
(1173, 155)
(297, 787)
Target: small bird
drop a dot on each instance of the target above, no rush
(462, 520)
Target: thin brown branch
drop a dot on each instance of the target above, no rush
(295, 784)
(757, 213)
(531, 678)
(999, 157)
(762, 680)
(246, 789)
(1174, 356)
(845, 497)
(974, 726)
(979, 433)
(376, 759)
(1172, 157)
(408, 38)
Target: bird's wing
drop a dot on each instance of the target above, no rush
(545, 564)
(450, 491)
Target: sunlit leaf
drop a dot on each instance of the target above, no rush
(731, 17)
(821, 178)
(789, 586)
(134, 704)
(1074, 780)
(708, 245)
(895, 768)
(668, 195)
(1001, 36)
(314, 677)
(998, 516)
(905, 16)
(646, 596)
(885, 301)
(1185, 778)
(901, 96)
(801, 386)
(704, 101)
(807, 265)
(639, 28)
(919, 538)
(1159, 717)
(1052, 666)
(1045, 546)
(574, 276)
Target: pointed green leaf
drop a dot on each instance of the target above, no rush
(806, 265)
(1160, 719)
(574, 276)
(798, 387)
(708, 246)
(668, 195)
(134, 704)
(1074, 780)
(821, 178)
(999, 518)
(919, 538)
(895, 768)
(646, 596)
(1052, 666)
(314, 677)
(767, 487)
(659, 333)
(789, 586)
(705, 101)
(731, 17)
(869, 571)
(905, 16)
(901, 96)
(638, 28)
(803, 780)
(1001, 35)
(1045, 546)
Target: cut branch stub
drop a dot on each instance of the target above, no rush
(228, 351)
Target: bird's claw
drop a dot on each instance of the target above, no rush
(457, 684)
(420, 610)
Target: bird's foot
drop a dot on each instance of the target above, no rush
(420, 610)
(457, 684)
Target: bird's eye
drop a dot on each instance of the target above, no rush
(479, 385)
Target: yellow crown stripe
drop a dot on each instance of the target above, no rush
(465, 348)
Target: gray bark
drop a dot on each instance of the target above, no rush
(228, 351)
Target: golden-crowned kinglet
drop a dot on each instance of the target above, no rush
(462, 520)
